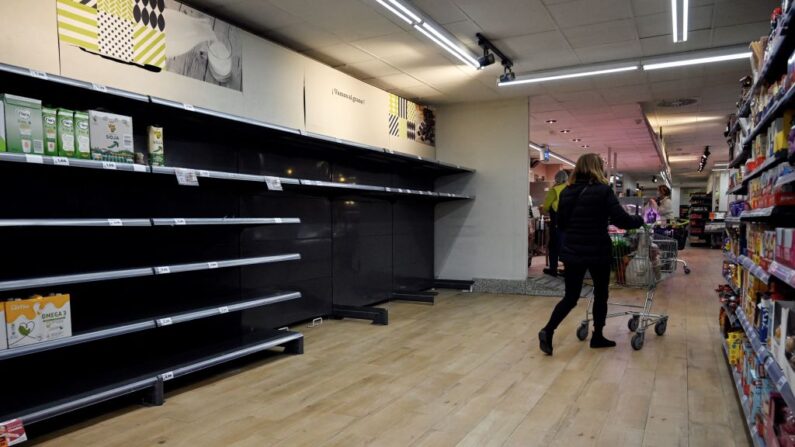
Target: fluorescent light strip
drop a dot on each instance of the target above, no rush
(569, 76)
(697, 61)
(406, 11)
(541, 151)
(685, 9)
(441, 44)
(674, 18)
(395, 12)
(470, 60)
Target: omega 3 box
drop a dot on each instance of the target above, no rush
(111, 137)
(23, 125)
(38, 319)
(50, 117)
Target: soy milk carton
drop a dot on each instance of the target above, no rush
(24, 132)
(111, 137)
(38, 319)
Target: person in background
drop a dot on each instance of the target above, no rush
(551, 206)
(665, 207)
(584, 210)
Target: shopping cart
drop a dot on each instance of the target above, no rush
(640, 260)
(679, 234)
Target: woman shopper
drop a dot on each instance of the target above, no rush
(665, 207)
(551, 206)
(585, 207)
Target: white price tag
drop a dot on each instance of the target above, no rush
(109, 165)
(167, 376)
(60, 161)
(204, 173)
(180, 222)
(38, 74)
(189, 107)
(223, 310)
(273, 183)
(278, 220)
(165, 322)
(36, 159)
(390, 151)
(187, 177)
(162, 270)
(115, 222)
(99, 88)
(212, 265)
(139, 168)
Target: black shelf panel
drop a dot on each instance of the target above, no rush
(119, 375)
(176, 222)
(21, 284)
(157, 222)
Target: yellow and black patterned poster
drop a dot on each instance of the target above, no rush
(411, 121)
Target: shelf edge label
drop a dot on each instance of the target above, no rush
(273, 183)
(39, 74)
(223, 310)
(212, 265)
(35, 159)
(60, 161)
(162, 270)
(115, 222)
(165, 322)
(99, 88)
(165, 377)
(110, 165)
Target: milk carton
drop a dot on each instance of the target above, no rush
(157, 156)
(66, 133)
(3, 339)
(82, 137)
(111, 137)
(2, 128)
(38, 319)
(23, 125)
(50, 118)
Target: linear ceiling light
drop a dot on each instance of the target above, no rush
(675, 19)
(578, 72)
(697, 58)
(431, 30)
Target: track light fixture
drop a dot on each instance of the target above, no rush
(704, 157)
(489, 51)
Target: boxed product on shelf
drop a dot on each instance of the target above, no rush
(2, 127)
(66, 133)
(38, 319)
(50, 124)
(3, 339)
(784, 253)
(82, 137)
(157, 156)
(782, 342)
(23, 125)
(768, 248)
(111, 137)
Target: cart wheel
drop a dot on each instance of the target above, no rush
(687, 270)
(637, 341)
(661, 326)
(633, 322)
(582, 331)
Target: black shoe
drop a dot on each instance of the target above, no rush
(545, 341)
(599, 341)
(551, 272)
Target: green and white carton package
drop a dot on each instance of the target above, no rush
(82, 137)
(23, 125)
(2, 127)
(66, 133)
(157, 156)
(50, 118)
(111, 137)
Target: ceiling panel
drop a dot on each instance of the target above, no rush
(586, 12)
(505, 18)
(601, 33)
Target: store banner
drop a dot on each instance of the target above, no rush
(340, 106)
(411, 122)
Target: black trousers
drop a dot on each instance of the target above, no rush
(575, 273)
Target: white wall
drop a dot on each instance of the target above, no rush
(487, 237)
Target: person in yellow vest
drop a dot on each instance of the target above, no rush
(551, 206)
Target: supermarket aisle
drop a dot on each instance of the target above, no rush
(467, 372)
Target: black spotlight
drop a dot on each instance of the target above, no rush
(508, 75)
(486, 60)
(654, 179)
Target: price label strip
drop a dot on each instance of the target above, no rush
(162, 270)
(60, 161)
(223, 310)
(39, 74)
(165, 377)
(212, 265)
(115, 222)
(180, 222)
(109, 165)
(35, 159)
(165, 322)
(99, 88)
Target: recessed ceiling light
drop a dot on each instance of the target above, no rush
(552, 121)
(576, 140)
(565, 131)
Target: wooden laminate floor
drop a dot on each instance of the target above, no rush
(464, 372)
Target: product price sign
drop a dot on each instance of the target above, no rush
(187, 177)
(99, 88)
(60, 161)
(223, 310)
(167, 376)
(165, 322)
(189, 107)
(12, 432)
(179, 221)
(139, 168)
(162, 270)
(39, 74)
(212, 265)
(35, 159)
(273, 183)
(110, 165)
(115, 222)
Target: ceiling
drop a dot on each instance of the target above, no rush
(363, 39)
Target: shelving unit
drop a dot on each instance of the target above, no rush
(700, 206)
(743, 401)
(86, 227)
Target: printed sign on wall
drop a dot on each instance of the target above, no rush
(411, 121)
(157, 35)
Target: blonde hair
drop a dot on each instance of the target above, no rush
(589, 167)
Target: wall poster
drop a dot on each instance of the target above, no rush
(411, 121)
(155, 34)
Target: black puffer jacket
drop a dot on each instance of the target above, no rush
(584, 212)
